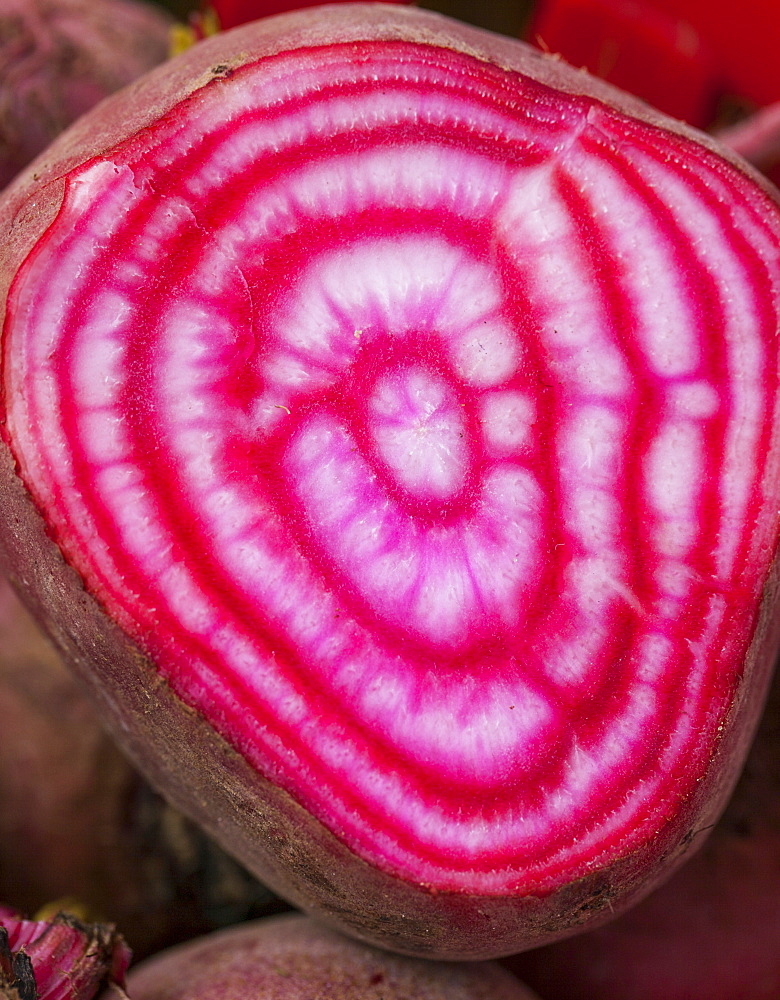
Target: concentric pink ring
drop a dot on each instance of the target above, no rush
(379, 410)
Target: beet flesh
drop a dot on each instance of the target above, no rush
(390, 439)
(293, 958)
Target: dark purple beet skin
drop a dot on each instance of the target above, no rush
(389, 422)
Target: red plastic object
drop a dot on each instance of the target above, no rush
(683, 56)
(231, 13)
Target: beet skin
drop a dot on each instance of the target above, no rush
(293, 958)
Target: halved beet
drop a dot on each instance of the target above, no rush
(390, 436)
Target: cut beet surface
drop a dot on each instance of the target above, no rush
(405, 401)
(58, 959)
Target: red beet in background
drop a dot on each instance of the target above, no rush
(292, 958)
(58, 58)
(693, 59)
(58, 959)
(390, 436)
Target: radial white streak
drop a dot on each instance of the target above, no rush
(665, 327)
(591, 448)
(714, 247)
(98, 368)
(694, 400)
(571, 656)
(507, 420)
(535, 227)
(418, 428)
(675, 472)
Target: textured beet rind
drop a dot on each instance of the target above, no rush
(262, 824)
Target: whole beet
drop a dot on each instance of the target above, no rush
(58, 58)
(293, 958)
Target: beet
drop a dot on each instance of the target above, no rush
(78, 824)
(292, 958)
(390, 438)
(58, 959)
(58, 58)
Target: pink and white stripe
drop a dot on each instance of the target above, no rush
(418, 423)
